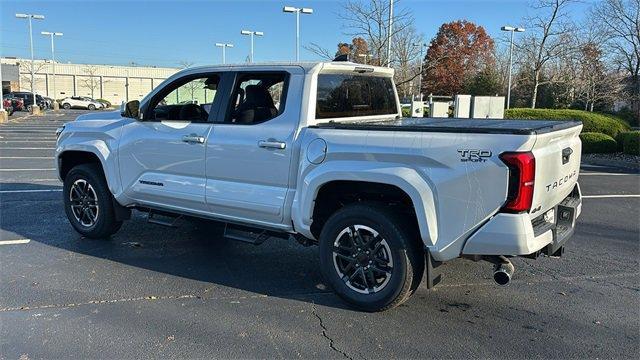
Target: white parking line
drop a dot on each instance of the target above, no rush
(14, 242)
(609, 196)
(29, 191)
(27, 157)
(606, 174)
(7, 170)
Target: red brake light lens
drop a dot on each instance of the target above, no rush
(522, 173)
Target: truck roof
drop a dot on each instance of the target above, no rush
(308, 67)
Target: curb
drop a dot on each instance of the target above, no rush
(614, 163)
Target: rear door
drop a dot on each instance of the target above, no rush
(162, 156)
(250, 147)
(557, 155)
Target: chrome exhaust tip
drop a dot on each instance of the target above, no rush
(502, 273)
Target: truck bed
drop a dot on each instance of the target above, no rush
(482, 126)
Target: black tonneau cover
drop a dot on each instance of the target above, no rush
(482, 126)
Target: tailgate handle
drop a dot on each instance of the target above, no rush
(566, 153)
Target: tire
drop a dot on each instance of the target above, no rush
(91, 107)
(399, 246)
(66, 106)
(99, 221)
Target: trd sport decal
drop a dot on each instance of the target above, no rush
(468, 155)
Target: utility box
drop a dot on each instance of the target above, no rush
(439, 109)
(417, 109)
(462, 106)
(488, 107)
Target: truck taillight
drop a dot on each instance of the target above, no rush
(522, 173)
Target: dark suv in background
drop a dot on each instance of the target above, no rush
(27, 97)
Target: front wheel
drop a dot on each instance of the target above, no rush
(88, 202)
(91, 107)
(371, 256)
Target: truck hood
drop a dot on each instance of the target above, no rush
(108, 115)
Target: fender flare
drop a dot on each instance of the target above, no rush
(100, 149)
(405, 178)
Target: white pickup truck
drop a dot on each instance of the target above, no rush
(319, 153)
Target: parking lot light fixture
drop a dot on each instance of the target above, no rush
(224, 47)
(297, 11)
(53, 58)
(29, 17)
(251, 34)
(512, 30)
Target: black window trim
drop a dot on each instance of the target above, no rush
(230, 93)
(215, 105)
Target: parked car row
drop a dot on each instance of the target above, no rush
(23, 100)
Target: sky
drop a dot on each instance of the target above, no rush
(166, 33)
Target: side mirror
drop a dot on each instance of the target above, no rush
(131, 109)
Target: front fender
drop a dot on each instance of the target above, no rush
(103, 145)
(405, 178)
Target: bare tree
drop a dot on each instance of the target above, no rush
(25, 73)
(92, 80)
(407, 60)
(549, 37)
(370, 19)
(620, 24)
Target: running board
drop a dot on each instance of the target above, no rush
(171, 220)
(250, 235)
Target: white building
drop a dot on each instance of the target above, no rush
(109, 82)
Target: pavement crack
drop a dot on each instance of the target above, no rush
(326, 335)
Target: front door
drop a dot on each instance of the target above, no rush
(250, 147)
(162, 156)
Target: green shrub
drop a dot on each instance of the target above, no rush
(593, 122)
(631, 143)
(597, 143)
(406, 112)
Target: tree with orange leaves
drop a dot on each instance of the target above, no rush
(459, 51)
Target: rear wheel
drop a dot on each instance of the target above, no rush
(371, 256)
(66, 106)
(88, 202)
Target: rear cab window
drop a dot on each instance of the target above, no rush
(353, 95)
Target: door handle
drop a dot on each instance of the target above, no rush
(193, 139)
(272, 144)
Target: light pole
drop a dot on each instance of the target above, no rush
(37, 17)
(512, 30)
(251, 34)
(297, 11)
(422, 46)
(53, 62)
(389, 31)
(224, 47)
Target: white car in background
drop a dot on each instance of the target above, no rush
(81, 102)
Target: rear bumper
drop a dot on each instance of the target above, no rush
(517, 235)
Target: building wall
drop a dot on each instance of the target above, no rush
(97, 81)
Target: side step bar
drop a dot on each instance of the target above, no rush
(168, 220)
(250, 235)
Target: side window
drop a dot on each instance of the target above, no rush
(189, 99)
(257, 97)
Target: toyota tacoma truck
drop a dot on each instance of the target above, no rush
(319, 153)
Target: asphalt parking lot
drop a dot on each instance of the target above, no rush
(153, 291)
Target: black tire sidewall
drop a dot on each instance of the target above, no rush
(106, 224)
(380, 220)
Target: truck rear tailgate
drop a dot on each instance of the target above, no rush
(557, 156)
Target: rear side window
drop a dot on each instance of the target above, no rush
(347, 95)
